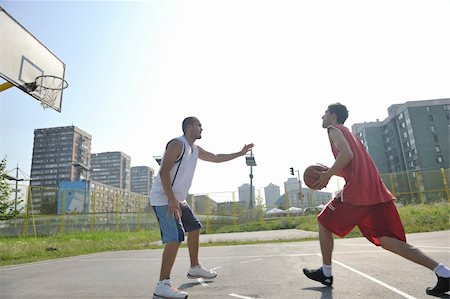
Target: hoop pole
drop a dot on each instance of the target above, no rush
(5, 86)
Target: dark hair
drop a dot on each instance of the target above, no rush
(340, 111)
(186, 122)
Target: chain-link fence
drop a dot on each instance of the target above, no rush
(78, 210)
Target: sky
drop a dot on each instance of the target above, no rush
(259, 72)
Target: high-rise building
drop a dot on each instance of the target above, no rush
(271, 194)
(411, 148)
(244, 195)
(59, 154)
(415, 136)
(141, 179)
(111, 168)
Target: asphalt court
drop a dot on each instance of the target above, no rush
(360, 270)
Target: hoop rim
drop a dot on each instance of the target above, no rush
(64, 84)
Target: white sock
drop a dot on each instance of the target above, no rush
(326, 269)
(442, 271)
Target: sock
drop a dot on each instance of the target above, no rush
(326, 269)
(442, 271)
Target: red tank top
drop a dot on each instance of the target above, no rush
(363, 184)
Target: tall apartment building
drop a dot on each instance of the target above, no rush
(412, 144)
(271, 194)
(244, 195)
(415, 136)
(59, 154)
(141, 179)
(111, 168)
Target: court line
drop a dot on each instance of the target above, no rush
(240, 296)
(202, 282)
(401, 293)
(249, 261)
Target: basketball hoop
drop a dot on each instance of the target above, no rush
(48, 87)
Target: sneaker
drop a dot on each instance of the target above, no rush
(442, 287)
(318, 275)
(201, 272)
(165, 289)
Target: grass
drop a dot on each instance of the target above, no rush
(18, 250)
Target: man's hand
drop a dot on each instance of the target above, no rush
(174, 208)
(322, 182)
(246, 148)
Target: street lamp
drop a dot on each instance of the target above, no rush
(250, 161)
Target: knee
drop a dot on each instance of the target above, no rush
(384, 242)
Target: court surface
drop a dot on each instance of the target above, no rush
(360, 270)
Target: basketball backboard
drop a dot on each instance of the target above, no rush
(23, 58)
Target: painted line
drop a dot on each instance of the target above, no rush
(374, 280)
(43, 263)
(202, 282)
(418, 246)
(255, 260)
(240, 296)
(214, 269)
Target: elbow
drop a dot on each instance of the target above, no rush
(349, 157)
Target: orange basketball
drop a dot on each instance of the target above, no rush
(310, 176)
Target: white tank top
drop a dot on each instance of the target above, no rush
(181, 176)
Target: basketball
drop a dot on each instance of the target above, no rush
(310, 176)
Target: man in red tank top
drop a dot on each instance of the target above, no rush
(365, 202)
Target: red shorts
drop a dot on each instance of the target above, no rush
(374, 221)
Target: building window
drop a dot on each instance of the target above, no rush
(428, 108)
(400, 116)
(433, 129)
(430, 117)
(446, 107)
(403, 125)
(439, 159)
(405, 134)
(438, 149)
(436, 139)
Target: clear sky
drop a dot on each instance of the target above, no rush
(251, 71)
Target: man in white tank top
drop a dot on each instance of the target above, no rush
(168, 199)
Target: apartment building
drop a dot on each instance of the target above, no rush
(415, 136)
(141, 179)
(111, 168)
(59, 154)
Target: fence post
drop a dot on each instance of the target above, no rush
(117, 211)
(444, 180)
(63, 212)
(419, 187)
(233, 208)
(208, 212)
(92, 226)
(286, 200)
(27, 211)
(139, 213)
(391, 182)
(260, 208)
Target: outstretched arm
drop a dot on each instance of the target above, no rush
(210, 157)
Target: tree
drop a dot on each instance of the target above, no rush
(7, 210)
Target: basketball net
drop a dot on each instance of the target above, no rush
(49, 88)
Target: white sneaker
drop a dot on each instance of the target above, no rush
(200, 272)
(165, 289)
